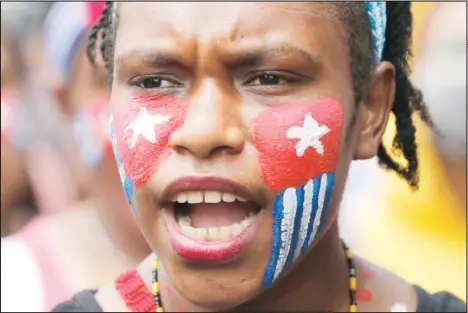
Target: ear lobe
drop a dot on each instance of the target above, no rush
(374, 111)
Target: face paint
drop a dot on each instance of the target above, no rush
(363, 294)
(298, 145)
(142, 131)
(127, 184)
(367, 274)
(92, 132)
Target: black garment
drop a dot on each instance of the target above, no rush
(438, 302)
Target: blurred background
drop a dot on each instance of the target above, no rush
(58, 175)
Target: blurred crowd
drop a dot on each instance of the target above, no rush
(66, 224)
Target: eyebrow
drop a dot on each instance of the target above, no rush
(246, 58)
(242, 58)
(149, 57)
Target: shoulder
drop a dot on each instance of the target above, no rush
(82, 302)
(439, 302)
(19, 264)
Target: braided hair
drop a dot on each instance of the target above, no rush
(408, 99)
(398, 36)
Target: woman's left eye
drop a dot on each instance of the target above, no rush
(269, 79)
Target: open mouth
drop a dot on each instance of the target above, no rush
(210, 225)
(212, 216)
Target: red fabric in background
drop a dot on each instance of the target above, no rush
(94, 11)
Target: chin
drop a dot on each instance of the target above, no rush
(215, 289)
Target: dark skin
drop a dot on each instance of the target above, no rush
(224, 95)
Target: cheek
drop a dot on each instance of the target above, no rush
(298, 141)
(141, 133)
(298, 145)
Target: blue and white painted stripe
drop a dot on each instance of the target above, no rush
(127, 184)
(298, 215)
(287, 228)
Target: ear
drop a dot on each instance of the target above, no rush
(375, 110)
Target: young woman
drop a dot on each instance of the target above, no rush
(234, 125)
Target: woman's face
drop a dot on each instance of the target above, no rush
(229, 127)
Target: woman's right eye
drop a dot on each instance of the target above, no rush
(154, 83)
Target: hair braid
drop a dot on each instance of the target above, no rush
(100, 28)
(407, 98)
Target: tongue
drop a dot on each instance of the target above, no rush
(206, 215)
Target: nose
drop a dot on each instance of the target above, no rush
(213, 124)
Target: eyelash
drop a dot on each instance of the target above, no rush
(140, 81)
(276, 79)
(287, 79)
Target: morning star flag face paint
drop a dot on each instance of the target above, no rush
(298, 141)
(298, 145)
(142, 131)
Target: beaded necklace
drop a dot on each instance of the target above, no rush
(351, 272)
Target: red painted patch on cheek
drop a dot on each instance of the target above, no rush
(363, 294)
(142, 131)
(298, 141)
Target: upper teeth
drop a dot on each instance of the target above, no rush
(206, 197)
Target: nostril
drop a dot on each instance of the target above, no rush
(181, 150)
(223, 149)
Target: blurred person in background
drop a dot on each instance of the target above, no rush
(17, 194)
(415, 234)
(96, 238)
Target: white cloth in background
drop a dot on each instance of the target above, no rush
(22, 284)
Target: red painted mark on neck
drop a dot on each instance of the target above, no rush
(142, 130)
(180, 310)
(298, 141)
(363, 294)
(367, 274)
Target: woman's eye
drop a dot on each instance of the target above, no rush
(270, 79)
(154, 82)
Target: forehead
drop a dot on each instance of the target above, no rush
(224, 21)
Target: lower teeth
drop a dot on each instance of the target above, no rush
(213, 233)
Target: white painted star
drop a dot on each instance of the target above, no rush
(309, 135)
(144, 125)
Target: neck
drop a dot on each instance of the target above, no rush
(320, 282)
